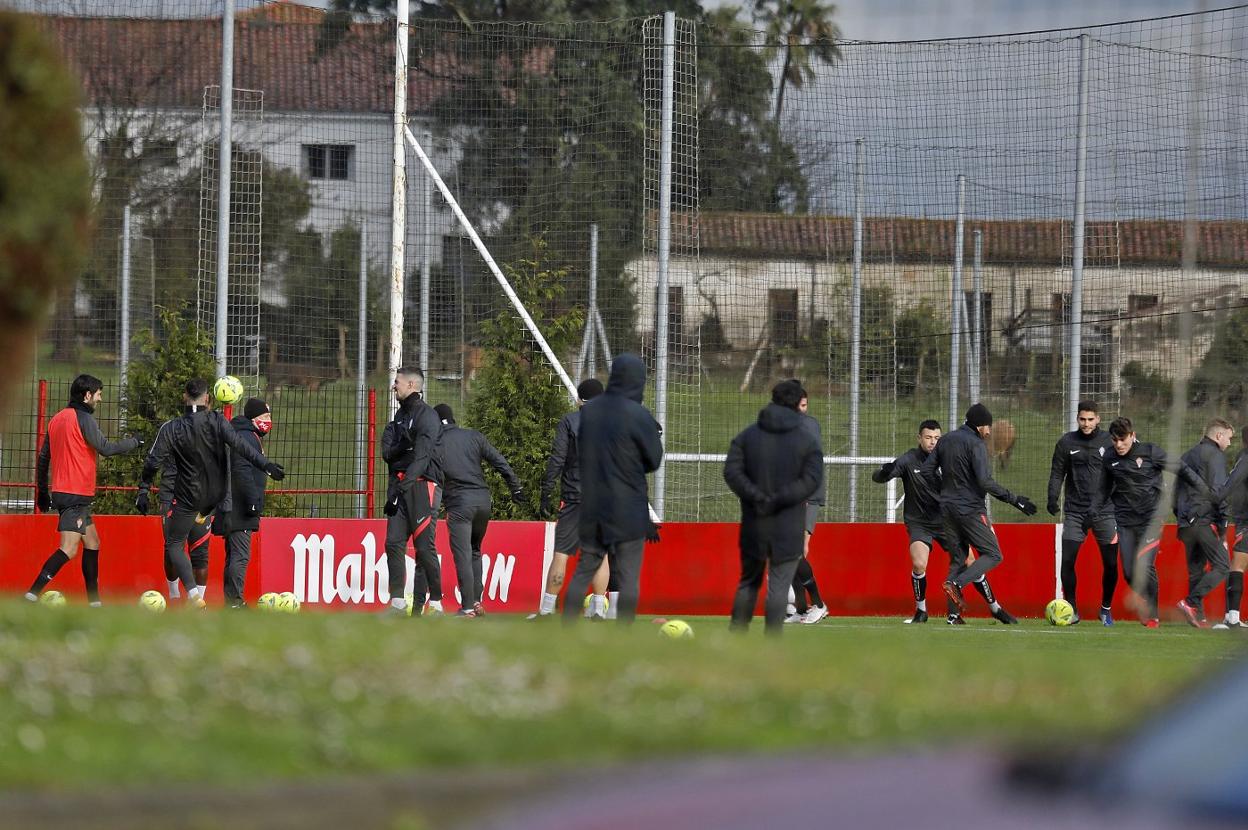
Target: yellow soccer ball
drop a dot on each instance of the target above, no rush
(287, 603)
(267, 602)
(53, 598)
(676, 630)
(228, 389)
(153, 601)
(1059, 612)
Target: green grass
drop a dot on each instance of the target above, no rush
(119, 697)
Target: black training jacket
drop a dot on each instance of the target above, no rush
(168, 469)
(811, 425)
(461, 454)
(1135, 482)
(960, 465)
(1079, 463)
(247, 483)
(409, 444)
(1194, 505)
(562, 466)
(1234, 491)
(198, 443)
(922, 496)
(773, 466)
(619, 443)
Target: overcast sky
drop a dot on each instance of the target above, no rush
(859, 19)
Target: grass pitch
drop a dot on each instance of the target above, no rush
(116, 696)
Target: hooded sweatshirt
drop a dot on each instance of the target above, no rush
(619, 443)
(774, 466)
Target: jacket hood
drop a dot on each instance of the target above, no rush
(628, 377)
(776, 418)
(244, 424)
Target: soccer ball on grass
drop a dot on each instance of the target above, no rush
(53, 598)
(267, 602)
(676, 630)
(153, 601)
(228, 389)
(287, 603)
(1059, 612)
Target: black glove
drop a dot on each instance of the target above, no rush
(546, 507)
(765, 506)
(251, 510)
(143, 502)
(652, 535)
(138, 441)
(43, 500)
(517, 495)
(275, 471)
(392, 505)
(1026, 505)
(1052, 507)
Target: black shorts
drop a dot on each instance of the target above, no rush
(929, 533)
(1075, 527)
(567, 529)
(74, 510)
(1241, 538)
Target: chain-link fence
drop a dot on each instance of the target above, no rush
(817, 196)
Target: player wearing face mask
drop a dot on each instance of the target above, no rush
(240, 517)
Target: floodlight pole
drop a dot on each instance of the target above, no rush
(665, 245)
(855, 317)
(362, 449)
(1076, 258)
(425, 225)
(224, 162)
(977, 313)
(124, 350)
(398, 191)
(955, 304)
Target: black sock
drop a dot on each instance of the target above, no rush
(1234, 590)
(50, 568)
(91, 573)
(919, 583)
(806, 577)
(985, 590)
(1070, 551)
(1109, 574)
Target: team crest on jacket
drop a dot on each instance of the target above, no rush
(1139, 462)
(1102, 451)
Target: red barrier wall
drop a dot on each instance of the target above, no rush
(861, 568)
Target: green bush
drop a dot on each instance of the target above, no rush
(518, 399)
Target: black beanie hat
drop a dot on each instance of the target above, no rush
(589, 389)
(979, 416)
(445, 413)
(254, 408)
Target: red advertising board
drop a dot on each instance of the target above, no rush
(340, 564)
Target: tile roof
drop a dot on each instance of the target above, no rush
(1040, 241)
(166, 63)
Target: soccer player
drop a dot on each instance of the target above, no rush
(246, 503)
(925, 526)
(1135, 469)
(965, 480)
(198, 443)
(467, 501)
(197, 540)
(618, 444)
(1202, 518)
(1079, 465)
(70, 447)
(1236, 496)
(804, 584)
(773, 467)
(563, 468)
(409, 446)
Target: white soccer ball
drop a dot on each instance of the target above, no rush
(228, 389)
(153, 601)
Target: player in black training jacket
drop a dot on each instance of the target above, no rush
(1202, 519)
(1079, 464)
(467, 502)
(965, 476)
(925, 526)
(1235, 494)
(1135, 469)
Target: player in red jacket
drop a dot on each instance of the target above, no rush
(69, 452)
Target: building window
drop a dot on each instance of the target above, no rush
(1140, 303)
(328, 161)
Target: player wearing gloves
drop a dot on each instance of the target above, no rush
(467, 501)
(198, 442)
(961, 459)
(241, 517)
(1079, 470)
(409, 446)
(69, 451)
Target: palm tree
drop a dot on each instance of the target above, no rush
(805, 31)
